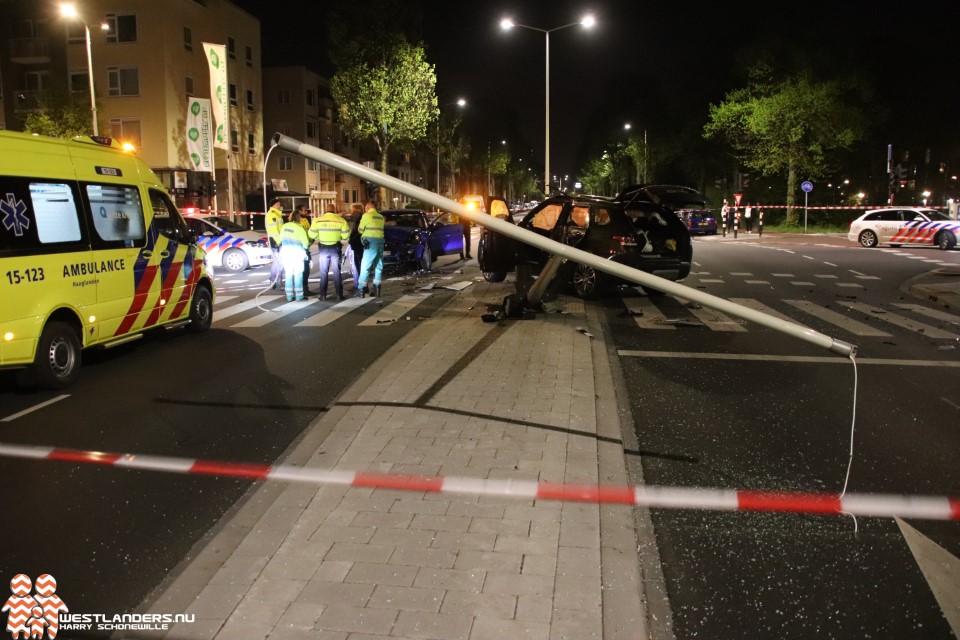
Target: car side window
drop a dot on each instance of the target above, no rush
(166, 218)
(498, 208)
(889, 216)
(601, 216)
(546, 218)
(117, 213)
(872, 217)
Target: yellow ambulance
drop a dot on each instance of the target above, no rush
(92, 253)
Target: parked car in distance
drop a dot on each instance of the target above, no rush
(412, 237)
(639, 228)
(905, 225)
(699, 221)
(228, 244)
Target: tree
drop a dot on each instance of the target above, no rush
(790, 126)
(391, 101)
(596, 176)
(64, 117)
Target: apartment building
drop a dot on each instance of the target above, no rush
(145, 66)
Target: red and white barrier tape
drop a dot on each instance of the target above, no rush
(877, 505)
(859, 207)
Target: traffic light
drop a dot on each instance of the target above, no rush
(213, 188)
(746, 180)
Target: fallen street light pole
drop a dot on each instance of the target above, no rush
(563, 251)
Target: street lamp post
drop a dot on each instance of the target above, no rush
(460, 103)
(70, 11)
(587, 22)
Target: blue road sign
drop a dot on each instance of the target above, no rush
(807, 186)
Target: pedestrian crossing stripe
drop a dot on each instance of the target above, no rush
(387, 315)
(276, 313)
(334, 313)
(849, 324)
(395, 311)
(900, 321)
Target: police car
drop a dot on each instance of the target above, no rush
(228, 244)
(905, 225)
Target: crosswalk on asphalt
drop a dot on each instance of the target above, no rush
(668, 313)
(271, 309)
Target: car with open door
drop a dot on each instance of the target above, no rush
(411, 237)
(639, 228)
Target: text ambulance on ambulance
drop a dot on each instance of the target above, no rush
(92, 252)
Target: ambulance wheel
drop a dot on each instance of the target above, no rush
(201, 310)
(235, 260)
(57, 363)
(946, 240)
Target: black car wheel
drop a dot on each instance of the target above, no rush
(585, 281)
(494, 276)
(57, 363)
(946, 240)
(201, 310)
(868, 239)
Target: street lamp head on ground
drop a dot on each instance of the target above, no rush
(506, 24)
(69, 11)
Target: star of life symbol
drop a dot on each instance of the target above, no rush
(13, 211)
(37, 614)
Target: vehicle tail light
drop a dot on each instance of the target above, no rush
(625, 241)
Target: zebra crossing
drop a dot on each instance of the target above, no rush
(668, 313)
(230, 313)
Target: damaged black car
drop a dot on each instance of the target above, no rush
(638, 228)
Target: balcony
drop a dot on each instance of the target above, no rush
(30, 50)
(30, 100)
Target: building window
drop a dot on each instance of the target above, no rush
(249, 100)
(79, 81)
(285, 163)
(311, 129)
(188, 38)
(311, 165)
(123, 28)
(126, 130)
(234, 141)
(283, 96)
(76, 33)
(251, 145)
(231, 48)
(233, 95)
(346, 196)
(309, 97)
(249, 54)
(123, 81)
(188, 85)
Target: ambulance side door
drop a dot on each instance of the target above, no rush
(179, 264)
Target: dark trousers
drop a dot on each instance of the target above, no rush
(330, 261)
(306, 268)
(466, 241)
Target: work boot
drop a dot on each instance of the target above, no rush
(376, 291)
(362, 292)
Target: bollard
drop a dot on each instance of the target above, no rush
(736, 224)
(760, 224)
(723, 221)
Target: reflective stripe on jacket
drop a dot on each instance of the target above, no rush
(274, 221)
(329, 229)
(371, 225)
(292, 234)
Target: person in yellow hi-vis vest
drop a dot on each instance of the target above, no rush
(274, 221)
(305, 223)
(330, 231)
(293, 252)
(371, 234)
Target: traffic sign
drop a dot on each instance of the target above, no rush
(807, 186)
(736, 198)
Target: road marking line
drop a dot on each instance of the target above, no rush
(900, 321)
(809, 257)
(783, 275)
(35, 407)
(334, 313)
(826, 276)
(756, 305)
(830, 264)
(712, 280)
(741, 273)
(717, 321)
(626, 353)
(867, 278)
(842, 321)
(221, 299)
(650, 316)
(952, 404)
(850, 285)
(233, 282)
(803, 284)
(275, 313)
(930, 313)
(394, 311)
(220, 314)
(757, 281)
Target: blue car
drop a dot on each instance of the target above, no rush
(412, 238)
(699, 221)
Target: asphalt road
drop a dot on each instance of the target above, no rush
(775, 425)
(239, 392)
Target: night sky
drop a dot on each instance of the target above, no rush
(660, 64)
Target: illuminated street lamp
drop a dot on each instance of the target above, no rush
(461, 102)
(506, 24)
(69, 11)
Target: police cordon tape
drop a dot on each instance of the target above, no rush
(868, 505)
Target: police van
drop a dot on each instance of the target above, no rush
(92, 253)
